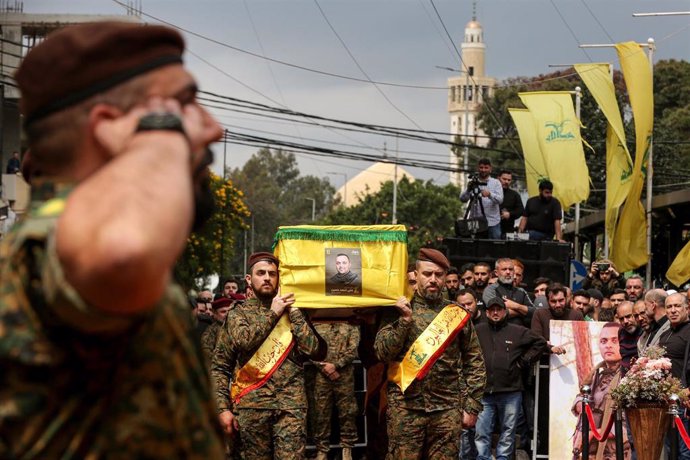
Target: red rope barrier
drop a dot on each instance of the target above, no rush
(681, 430)
(593, 426)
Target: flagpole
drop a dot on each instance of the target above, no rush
(578, 101)
(650, 173)
(650, 50)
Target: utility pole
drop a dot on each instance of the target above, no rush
(335, 173)
(395, 183)
(313, 208)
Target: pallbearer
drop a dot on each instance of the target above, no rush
(260, 354)
(436, 371)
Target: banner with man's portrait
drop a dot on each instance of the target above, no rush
(592, 357)
(342, 266)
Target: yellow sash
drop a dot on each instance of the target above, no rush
(428, 347)
(265, 361)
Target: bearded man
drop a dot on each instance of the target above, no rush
(260, 356)
(99, 358)
(519, 306)
(543, 215)
(434, 341)
(558, 309)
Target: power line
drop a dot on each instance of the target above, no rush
(572, 32)
(598, 22)
(278, 61)
(349, 53)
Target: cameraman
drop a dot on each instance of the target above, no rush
(490, 191)
(604, 277)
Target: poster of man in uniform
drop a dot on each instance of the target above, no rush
(592, 358)
(343, 271)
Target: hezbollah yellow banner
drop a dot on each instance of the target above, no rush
(598, 79)
(430, 344)
(535, 169)
(629, 250)
(679, 271)
(558, 133)
(264, 362)
(342, 266)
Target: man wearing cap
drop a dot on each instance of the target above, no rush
(435, 343)
(220, 309)
(508, 348)
(99, 358)
(261, 353)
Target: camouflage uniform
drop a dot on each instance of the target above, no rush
(209, 337)
(81, 383)
(342, 340)
(426, 421)
(272, 418)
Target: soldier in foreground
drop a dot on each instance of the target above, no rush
(436, 371)
(97, 346)
(260, 357)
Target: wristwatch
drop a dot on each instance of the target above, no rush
(156, 121)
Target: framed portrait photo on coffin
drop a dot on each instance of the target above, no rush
(342, 266)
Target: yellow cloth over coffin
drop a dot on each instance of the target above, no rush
(375, 257)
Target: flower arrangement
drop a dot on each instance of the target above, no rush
(649, 380)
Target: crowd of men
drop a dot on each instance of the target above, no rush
(101, 357)
(492, 201)
(507, 333)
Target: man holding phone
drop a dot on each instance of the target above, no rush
(604, 277)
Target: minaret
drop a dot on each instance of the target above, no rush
(466, 95)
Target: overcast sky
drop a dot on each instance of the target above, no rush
(395, 41)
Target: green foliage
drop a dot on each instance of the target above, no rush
(209, 249)
(276, 195)
(427, 210)
(672, 122)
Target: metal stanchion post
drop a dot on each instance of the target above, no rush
(619, 434)
(674, 411)
(586, 390)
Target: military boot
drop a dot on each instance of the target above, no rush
(322, 456)
(347, 453)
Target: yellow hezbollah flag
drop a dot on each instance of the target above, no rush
(535, 170)
(629, 248)
(597, 78)
(342, 266)
(558, 133)
(679, 271)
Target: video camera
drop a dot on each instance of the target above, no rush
(474, 182)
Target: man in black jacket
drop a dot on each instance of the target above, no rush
(512, 206)
(507, 348)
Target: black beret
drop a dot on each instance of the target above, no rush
(259, 256)
(595, 294)
(80, 61)
(496, 301)
(432, 255)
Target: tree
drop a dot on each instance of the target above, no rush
(427, 210)
(209, 249)
(276, 195)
